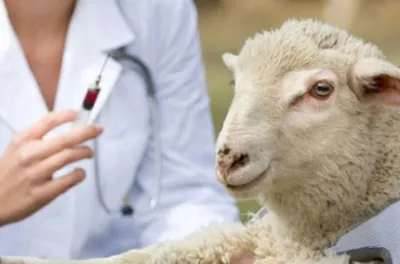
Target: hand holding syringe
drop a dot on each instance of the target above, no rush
(29, 162)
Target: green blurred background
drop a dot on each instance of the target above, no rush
(225, 24)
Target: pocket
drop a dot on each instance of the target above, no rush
(118, 162)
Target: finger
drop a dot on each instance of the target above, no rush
(42, 149)
(52, 189)
(44, 170)
(44, 125)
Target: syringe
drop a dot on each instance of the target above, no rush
(89, 100)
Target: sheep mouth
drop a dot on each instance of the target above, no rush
(248, 185)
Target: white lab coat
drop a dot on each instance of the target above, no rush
(164, 34)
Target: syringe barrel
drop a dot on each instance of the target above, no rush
(82, 118)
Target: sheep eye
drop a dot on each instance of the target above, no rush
(321, 90)
(232, 83)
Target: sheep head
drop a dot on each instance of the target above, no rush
(306, 99)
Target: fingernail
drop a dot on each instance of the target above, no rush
(99, 128)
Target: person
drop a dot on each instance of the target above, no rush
(62, 187)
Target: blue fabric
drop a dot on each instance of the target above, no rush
(383, 230)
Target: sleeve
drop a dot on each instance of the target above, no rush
(190, 194)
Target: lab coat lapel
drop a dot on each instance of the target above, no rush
(97, 28)
(21, 102)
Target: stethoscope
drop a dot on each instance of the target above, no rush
(87, 106)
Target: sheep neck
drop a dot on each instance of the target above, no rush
(316, 220)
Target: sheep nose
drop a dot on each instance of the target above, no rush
(229, 161)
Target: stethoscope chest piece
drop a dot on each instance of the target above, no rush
(127, 210)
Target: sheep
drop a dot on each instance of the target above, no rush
(313, 133)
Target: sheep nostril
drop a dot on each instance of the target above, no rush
(229, 163)
(239, 161)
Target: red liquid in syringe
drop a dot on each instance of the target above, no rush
(87, 106)
(90, 98)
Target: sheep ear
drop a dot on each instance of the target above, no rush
(230, 60)
(376, 81)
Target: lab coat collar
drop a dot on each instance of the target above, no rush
(96, 28)
(108, 24)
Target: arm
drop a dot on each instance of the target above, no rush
(190, 195)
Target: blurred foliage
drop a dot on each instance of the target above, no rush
(207, 4)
